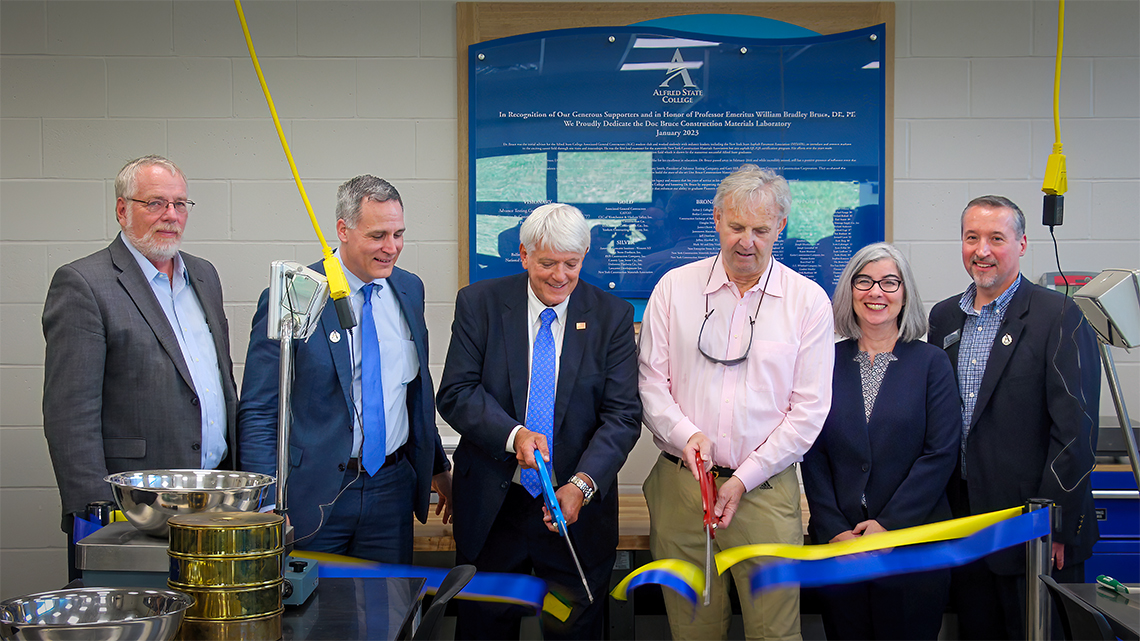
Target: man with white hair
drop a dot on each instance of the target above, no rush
(540, 364)
(735, 374)
(137, 373)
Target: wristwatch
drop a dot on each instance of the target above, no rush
(587, 491)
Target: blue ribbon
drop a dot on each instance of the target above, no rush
(519, 589)
(84, 528)
(664, 578)
(917, 558)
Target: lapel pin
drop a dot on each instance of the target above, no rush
(1006, 340)
(334, 336)
(580, 325)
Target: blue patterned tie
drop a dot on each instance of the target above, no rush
(540, 406)
(371, 389)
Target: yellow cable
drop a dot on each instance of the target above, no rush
(1057, 75)
(1056, 176)
(338, 285)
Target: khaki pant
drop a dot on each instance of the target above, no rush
(676, 531)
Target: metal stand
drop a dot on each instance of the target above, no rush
(1121, 410)
(284, 410)
(1038, 561)
(296, 296)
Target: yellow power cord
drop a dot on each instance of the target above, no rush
(338, 285)
(1056, 181)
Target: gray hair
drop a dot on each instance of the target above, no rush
(128, 176)
(351, 194)
(748, 182)
(912, 318)
(558, 227)
(997, 202)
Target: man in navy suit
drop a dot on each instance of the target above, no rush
(339, 501)
(489, 396)
(1029, 375)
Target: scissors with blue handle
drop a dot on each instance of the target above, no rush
(555, 510)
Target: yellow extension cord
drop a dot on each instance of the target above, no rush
(1056, 179)
(338, 285)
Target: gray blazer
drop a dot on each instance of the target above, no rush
(117, 393)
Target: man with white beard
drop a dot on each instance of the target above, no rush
(137, 373)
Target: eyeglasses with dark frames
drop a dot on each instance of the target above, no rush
(751, 322)
(889, 285)
(159, 205)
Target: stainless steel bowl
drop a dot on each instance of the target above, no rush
(94, 613)
(150, 497)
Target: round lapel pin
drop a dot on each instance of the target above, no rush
(1006, 340)
(334, 337)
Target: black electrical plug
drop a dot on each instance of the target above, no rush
(1053, 210)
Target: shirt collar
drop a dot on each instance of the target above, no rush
(535, 306)
(719, 278)
(354, 283)
(1001, 303)
(148, 269)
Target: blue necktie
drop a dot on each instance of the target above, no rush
(540, 403)
(371, 389)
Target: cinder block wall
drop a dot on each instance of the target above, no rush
(370, 87)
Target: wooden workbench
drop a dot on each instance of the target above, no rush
(633, 527)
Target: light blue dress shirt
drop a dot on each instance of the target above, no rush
(399, 361)
(188, 320)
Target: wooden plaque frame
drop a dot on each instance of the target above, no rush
(481, 21)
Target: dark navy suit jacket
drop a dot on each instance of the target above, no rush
(1034, 428)
(321, 438)
(900, 459)
(483, 395)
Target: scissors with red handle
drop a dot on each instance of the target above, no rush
(708, 501)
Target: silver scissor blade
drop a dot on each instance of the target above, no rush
(708, 565)
(574, 555)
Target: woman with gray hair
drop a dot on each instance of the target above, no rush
(887, 448)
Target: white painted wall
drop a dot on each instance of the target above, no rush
(370, 87)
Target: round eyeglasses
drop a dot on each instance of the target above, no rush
(751, 322)
(159, 205)
(889, 285)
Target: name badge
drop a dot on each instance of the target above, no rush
(951, 339)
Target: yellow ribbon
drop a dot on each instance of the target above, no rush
(555, 607)
(941, 531)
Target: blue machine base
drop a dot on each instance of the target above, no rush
(302, 575)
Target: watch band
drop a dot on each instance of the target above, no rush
(587, 491)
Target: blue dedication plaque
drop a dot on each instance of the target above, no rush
(636, 126)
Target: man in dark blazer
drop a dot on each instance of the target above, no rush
(484, 395)
(334, 504)
(1029, 374)
(137, 370)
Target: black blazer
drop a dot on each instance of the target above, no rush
(1034, 428)
(483, 393)
(900, 459)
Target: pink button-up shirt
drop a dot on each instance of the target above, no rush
(762, 415)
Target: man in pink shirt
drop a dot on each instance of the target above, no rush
(735, 368)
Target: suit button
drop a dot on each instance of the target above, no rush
(505, 484)
(194, 401)
(341, 467)
(866, 467)
(196, 447)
